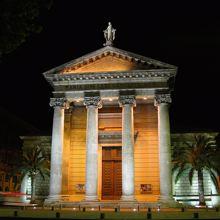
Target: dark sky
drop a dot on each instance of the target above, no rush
(187, 36)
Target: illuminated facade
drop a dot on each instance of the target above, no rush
(111, 134)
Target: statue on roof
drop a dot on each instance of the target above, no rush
(109, 34)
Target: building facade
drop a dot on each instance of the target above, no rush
(111, 133)
(182, 191)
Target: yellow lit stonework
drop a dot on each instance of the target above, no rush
(145, 150)
(104, 64)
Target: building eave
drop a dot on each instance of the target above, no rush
(110, 77)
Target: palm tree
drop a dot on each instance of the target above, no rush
(202, 155)
(33, 163)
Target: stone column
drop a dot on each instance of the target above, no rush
(162, 102)
(127, 103)
(57, 148)
(92, 105)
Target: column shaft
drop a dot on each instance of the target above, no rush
(92, 104)
(162, 102)
(164, 152)
(127, 104)
(92, 153)
(56, 152)
(127, 153)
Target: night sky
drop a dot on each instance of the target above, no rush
(187, 36)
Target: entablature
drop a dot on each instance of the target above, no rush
(114, 80)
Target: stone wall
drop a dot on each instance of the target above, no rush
(146, 153)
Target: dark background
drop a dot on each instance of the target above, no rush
(186, 35)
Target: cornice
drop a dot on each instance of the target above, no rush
(87, 78)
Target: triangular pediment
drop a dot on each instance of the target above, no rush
(109, 59)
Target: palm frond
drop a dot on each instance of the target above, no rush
(214, 179)
(180, 172)
(198, 155)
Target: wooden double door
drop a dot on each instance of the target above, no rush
(111, 173)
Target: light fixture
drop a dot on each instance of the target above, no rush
(145, 98)
(92, 209)
(77, 100)
(110, 99)
(134, 210)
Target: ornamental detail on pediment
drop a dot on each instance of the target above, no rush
(93, 101)
(127, 100)
(59, 102)
(113, 75)
(109, 34)
(162, 98)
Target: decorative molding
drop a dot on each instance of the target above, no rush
(127, 100)
(162, 98)
(113, 75)
(110, 115)
(93, 101)
(113, 136)
(59, 102)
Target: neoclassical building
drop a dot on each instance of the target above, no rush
(111, 131)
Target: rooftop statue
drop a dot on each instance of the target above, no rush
(109, 34)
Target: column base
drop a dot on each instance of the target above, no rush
(91, 198)
(168, 201)
(126, 198)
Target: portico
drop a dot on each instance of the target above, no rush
(111, 99)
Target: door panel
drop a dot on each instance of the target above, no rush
(111, 173)
(107, 178)
(117, 179)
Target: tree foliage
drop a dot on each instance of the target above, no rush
(33, 163)
(199, 156)
(19, 19)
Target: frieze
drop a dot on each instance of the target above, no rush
(127, 100)
(59, 102)
(114, 86)
(162, 98)
(93, 101)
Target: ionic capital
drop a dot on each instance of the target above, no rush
(93, 101)
(127, 100)
(59, 102)
(162, 98)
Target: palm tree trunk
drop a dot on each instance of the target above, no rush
(201, 188)
(33, 180)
